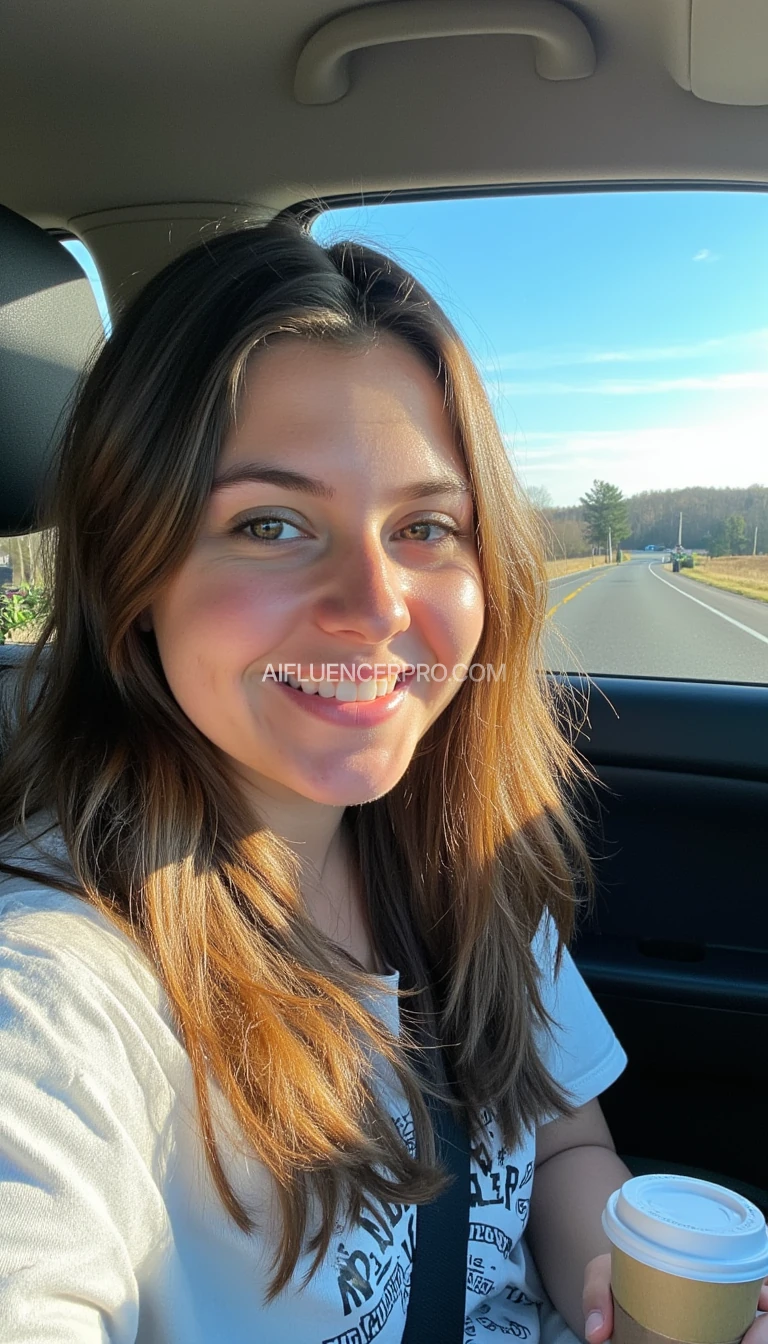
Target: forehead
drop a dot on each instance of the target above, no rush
(302, 397)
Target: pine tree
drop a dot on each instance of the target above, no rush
(605, 511)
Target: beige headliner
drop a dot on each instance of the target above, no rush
(133, 122)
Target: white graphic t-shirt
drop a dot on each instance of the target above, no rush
(110, 1225)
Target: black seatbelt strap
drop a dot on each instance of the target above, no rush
(436, 1304)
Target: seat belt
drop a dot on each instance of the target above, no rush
(436, 1304)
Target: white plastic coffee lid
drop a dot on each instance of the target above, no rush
(692, 1228)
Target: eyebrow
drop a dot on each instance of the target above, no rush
(448, 484)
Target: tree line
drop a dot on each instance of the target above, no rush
(721, 521)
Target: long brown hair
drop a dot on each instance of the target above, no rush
(459, 860)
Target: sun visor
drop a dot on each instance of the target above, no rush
(49, 326)
(718, 49)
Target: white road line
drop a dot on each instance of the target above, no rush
(739, 624)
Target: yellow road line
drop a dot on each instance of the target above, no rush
(574, 593)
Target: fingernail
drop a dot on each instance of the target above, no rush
(594, 1321)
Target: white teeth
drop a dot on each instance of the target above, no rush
(345, 691)
(366, 690)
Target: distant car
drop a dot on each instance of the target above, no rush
(653, 548)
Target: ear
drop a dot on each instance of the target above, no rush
(144, 620)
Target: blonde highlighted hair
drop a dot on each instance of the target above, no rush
(459, 860)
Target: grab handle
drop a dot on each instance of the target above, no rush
(563, 47)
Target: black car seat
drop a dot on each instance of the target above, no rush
(49, 325)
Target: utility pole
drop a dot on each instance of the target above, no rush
(680, 530)
(754, 544)
(610, 549)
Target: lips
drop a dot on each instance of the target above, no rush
(349, 713)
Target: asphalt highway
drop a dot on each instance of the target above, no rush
(639, 619)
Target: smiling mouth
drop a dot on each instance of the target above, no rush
(347, 691)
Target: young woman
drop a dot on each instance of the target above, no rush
(259, 863)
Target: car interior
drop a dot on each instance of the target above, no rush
(143, 128)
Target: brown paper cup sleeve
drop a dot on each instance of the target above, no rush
(626, 1330)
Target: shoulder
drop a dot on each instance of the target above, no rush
(72, 984)
(544, 948)
(76, 942)
(579, 1046)
(89, 1074)
(38, 917)
(561, 983)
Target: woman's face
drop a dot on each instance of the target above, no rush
(340, 532)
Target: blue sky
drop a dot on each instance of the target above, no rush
(621, 335)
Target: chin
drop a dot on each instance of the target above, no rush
(346, 786)
(347, 794)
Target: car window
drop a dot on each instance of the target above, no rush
(85, 261)
(623, 338)
(22, 591)
(22, 594)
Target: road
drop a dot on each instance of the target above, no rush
(639, 619)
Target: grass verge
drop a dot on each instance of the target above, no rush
(744, 574)
(557, 568)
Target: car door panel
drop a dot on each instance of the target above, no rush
(676, 951)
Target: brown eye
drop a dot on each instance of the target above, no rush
(265, 528)
(448, 530)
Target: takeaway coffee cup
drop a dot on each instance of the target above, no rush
(688, 1260)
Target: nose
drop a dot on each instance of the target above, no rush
(366, 598)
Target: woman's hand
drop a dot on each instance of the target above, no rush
(598, 1302)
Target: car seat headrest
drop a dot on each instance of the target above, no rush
(49, 326)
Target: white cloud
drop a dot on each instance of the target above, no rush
(719, 453)
(704, 254)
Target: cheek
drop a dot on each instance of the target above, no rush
(456, 617)
(218, 620)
